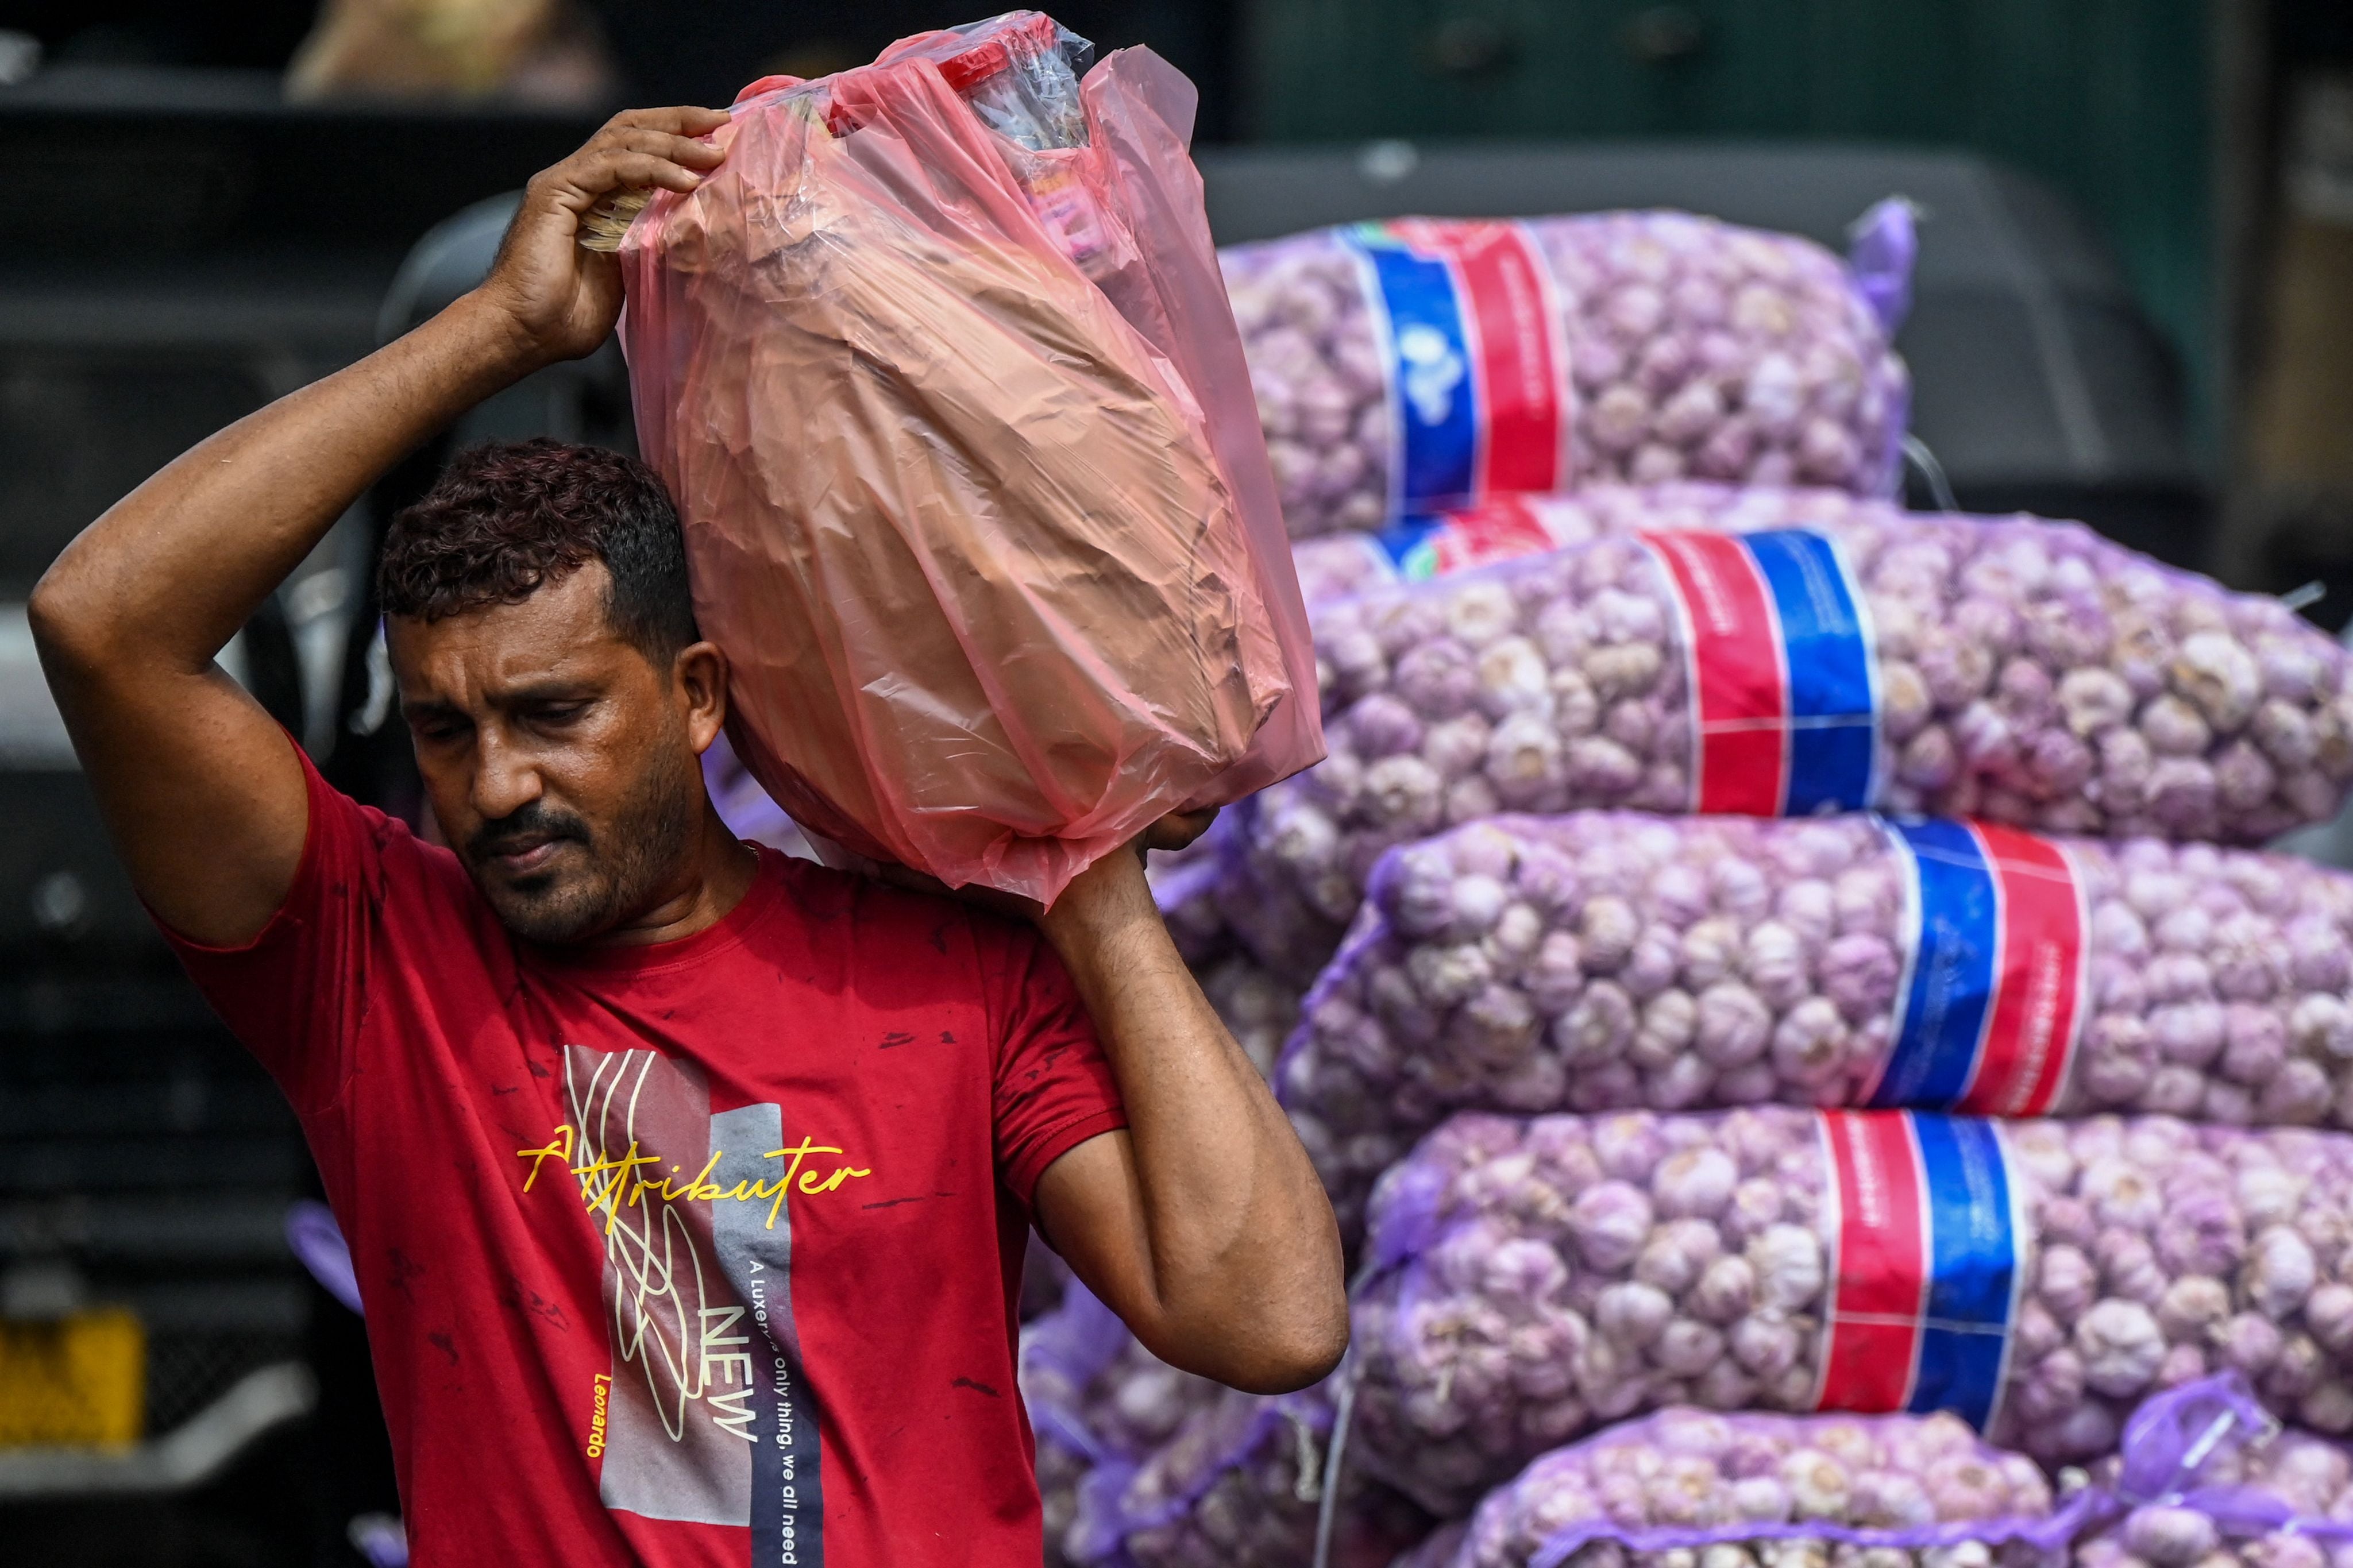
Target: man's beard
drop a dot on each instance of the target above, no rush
(627, 863)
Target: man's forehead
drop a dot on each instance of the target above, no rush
(562, 630)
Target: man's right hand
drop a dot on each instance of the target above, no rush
(563, 300)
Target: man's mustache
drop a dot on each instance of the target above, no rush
(524, 829)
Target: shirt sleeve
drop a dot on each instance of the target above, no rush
(1054, 1086)
(294, 995)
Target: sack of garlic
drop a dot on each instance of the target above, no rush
(1537, 1278)
(1616, 961)
(1758, 1490)
(2028, 673)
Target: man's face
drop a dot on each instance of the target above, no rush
(559, 760)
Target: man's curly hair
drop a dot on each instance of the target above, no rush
(509, 517)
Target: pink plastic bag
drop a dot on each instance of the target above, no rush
(958, 420)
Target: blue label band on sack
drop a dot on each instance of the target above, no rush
(1927, 1270)
(1974, 1272)
(1429, 349)
(1832, 727)
(1478, 381)
(1991, 998)
(1407, 543)
(1947, 990)
(1779, 661)
(1424, 545)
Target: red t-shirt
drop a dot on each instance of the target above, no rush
(698, 1253)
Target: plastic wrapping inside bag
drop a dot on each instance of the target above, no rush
(959, 431)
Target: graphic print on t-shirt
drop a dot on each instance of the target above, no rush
(710, 1417)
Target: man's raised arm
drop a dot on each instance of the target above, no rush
(1203, 1225)
(200, 790)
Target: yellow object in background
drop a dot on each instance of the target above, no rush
(544, 51)
(78, 1382)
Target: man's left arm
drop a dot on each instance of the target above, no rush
(1202, 1224)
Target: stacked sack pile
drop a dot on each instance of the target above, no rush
(1810, 1058)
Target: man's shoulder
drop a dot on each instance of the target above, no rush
(894, 922)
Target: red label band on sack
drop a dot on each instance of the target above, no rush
(1924, 1261)
(1992, 997)
(1521, 366)
(1478, 373)
(1503, 529)
(1779, 662)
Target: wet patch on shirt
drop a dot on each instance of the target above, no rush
(520, 1298)
(915, 1198)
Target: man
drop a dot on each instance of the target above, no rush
(686, 1183)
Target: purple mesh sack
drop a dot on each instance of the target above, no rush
(1610, 961)
(1063, 1354)
(1418, 364)
(1184, 887)
(1240, 1486)
(1418, 548)
(1098, 1401)
(1758, 1489)
(1339, 565)
(1534, 1279)
(2206, 1479)
(2029, 673)
(1259, 1007)
(745, 807)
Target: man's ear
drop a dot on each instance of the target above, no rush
(701, 673)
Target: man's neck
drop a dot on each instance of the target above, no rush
(717, 874)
